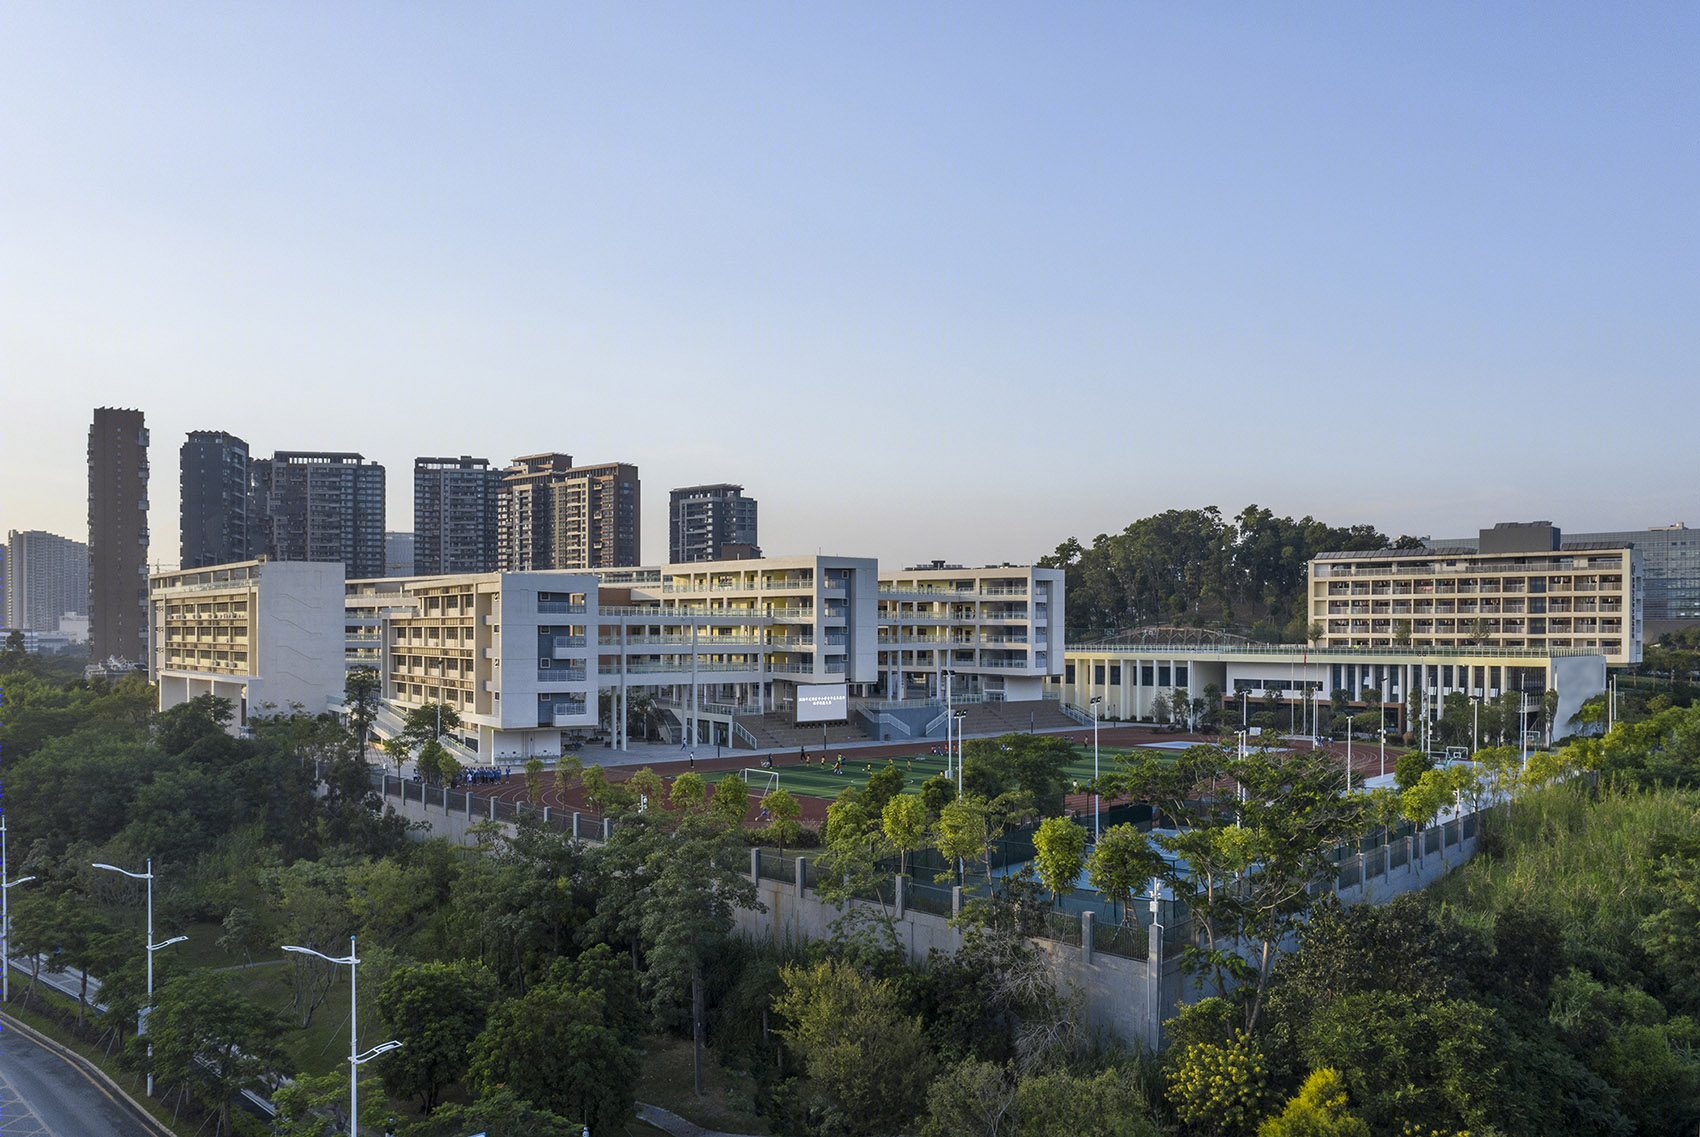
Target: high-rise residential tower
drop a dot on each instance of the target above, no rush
(217, 513)
(47, 576)
(554, 515)
(454, 515)
(118, 534)
(322, 507)
(711, 523)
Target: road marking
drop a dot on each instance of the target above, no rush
(16, 1117)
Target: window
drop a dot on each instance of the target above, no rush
(1115, 674)
(1098, 674)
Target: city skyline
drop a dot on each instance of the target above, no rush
(956, 283)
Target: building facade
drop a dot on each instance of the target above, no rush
(454, 515)
(47, 578)
(1670, 568)
(1138, 681)
(398, 554)
(323, 507)
(530, 660)
(265, 635)
(552, 515)
(711, 523)
(1521, 586)
(216, 519)
(118, 534)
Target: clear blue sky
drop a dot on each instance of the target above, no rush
(930, 280)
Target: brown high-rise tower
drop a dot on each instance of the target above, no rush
(118, 535)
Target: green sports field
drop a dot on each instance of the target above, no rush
(815, 780)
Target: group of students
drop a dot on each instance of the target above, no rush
(803, 757)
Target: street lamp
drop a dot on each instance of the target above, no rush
(6, 918)
(1096, 699)
(355, 1058)
(957, 717)
(142, 1017)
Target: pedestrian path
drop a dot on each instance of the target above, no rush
(670, 1122)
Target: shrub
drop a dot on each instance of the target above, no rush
(1221, 1089)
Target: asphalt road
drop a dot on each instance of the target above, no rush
(45, 1095)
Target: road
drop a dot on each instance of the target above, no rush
(43, 1094)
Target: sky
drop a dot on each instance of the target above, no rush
(938, 280)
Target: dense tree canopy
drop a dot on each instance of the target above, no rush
(1191, 566)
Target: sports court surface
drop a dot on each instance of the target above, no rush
(814, 779)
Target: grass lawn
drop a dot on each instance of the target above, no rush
(665, 1080)
(814, 780)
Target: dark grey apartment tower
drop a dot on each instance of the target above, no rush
(711, 523)
(217, 515)
(118, 535)
(454, 515)
(322, 507)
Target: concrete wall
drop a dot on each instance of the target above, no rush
(1124, 999)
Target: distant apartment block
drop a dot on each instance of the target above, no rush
(552, 515)
(454, 515)
(217, 520)
(47, 578)
(711, 523)
(118, 534)
(398, 554)
(1518, 586)
(266, 635)
(323, 507)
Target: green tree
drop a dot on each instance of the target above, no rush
(881, 788)
(567, 772)
(783, 810)
(1060, 846)
(432, 756)
(569, 1045)
(502, 1113)
(730, 803)
(1122, 864)
(397, 750)
(429, 722)
(211, 1041)
(937, 792)
(362, 691)
(693, 884)
(436, 1010)
(690, 793)
(1251, 863)
(854, 1038)
(534, 780)
(903, 821)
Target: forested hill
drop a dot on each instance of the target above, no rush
(1192, 566)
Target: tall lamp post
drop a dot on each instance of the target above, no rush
(1096, 809)
(947, 677)
(957, 717)
(355, 1058)
(6, 918)
(142, 1017)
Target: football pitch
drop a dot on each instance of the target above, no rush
(812, 779)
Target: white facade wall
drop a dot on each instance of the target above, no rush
(1128, 680)
(266, 635)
